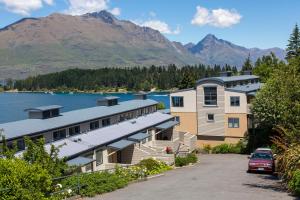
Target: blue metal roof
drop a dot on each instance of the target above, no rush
(167, 125)
(121, 144)
(245, 88)
(228, 78)
(79, 161)
(108, 98)
(138, 137)
(165, 111)
(44, 108)
(72, 146)
(31, 126)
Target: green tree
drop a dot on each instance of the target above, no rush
(293, 47)
(187, 81)
(21, 180)
(247, 66)
(266, 65)
(160, 106)
(37, 154)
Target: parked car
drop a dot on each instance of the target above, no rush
(262, 160)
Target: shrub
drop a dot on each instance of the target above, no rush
(23, 181)
(96, 183)
(182, 161)
(154, 166)
(207, 148)
(294, 183)
(230, 148)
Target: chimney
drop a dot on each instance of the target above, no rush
(140, 95)
(248, 72)
(108, 101)
(43, 112)
(226, 74)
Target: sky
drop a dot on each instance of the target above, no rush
(251, 23)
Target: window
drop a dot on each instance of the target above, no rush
(177, 101)
(106, 122)
(234, 101)
(233, 122)
(210, 96)
(94, 125)
(21, 145)
(46, 114)
(74, 130)
(99, 157)
(177, 119)
(210, 117)
(57, 135)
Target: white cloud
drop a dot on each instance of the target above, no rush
(115, 11)
(161, 26)
(24, 7)
(80, 7)
(218, 17)
(152, 14)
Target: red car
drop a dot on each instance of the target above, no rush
(261, 161)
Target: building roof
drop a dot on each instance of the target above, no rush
(227, 79)
(165, 111)
(250, 88)
(44, 108)
(108, 98)
(32, 126)
(183, 90)
(139, 136)
(167, 125)
(79, 161)
(121, 144)
(74, 146)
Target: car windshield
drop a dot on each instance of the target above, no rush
(265, 156)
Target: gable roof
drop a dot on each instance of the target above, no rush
(250, 88)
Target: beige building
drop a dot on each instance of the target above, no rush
(217, 109)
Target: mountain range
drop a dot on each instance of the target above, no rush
(57, 42)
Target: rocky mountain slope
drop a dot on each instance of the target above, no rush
(57, 42)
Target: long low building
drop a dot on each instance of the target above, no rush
(99, 137)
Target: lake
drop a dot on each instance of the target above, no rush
(12, 105)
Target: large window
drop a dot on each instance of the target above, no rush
(94, 125)
(99, 157)
(234, 101)
(57, 135)
(74, 130)
(106, 122)
(177, 101)
(210, 96)
(233, 122)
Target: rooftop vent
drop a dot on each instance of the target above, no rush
(43, 112)
(248, 72)
(226, 74)
(141, 95)
(108, 101)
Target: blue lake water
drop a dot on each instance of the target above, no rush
(12, 105)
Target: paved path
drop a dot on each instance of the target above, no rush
(220, 177)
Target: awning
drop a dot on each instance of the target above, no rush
(122, 144)
(79, 161)
(138, 137)
(166, 125)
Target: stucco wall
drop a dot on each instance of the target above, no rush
(236, 132)
(215, 128)
(235, 109)
(188, 122)
(189, 101)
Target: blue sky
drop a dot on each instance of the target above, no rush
(252, 23)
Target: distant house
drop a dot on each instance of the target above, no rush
(217, 110)
(99, 137)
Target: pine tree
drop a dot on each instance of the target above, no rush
(247, 64)
(293, 48)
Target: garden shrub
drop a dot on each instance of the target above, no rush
(154, 166)
(23, 181)
(207, 148)
(294, 183)
(182, 161)
(229, 148)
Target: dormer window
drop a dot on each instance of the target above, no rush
(44, 112)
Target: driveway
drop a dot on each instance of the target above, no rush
(215, 177)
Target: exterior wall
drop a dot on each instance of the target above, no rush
(236, 132)
(187, 114)
(215, 128)
(217, 141)
(188, 122)
(189, 101)
(243, 108)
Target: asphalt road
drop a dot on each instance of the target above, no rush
(215, 177)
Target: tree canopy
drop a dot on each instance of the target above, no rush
(293, 47)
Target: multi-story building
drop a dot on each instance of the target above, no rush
(217, 110)
(99, 137)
